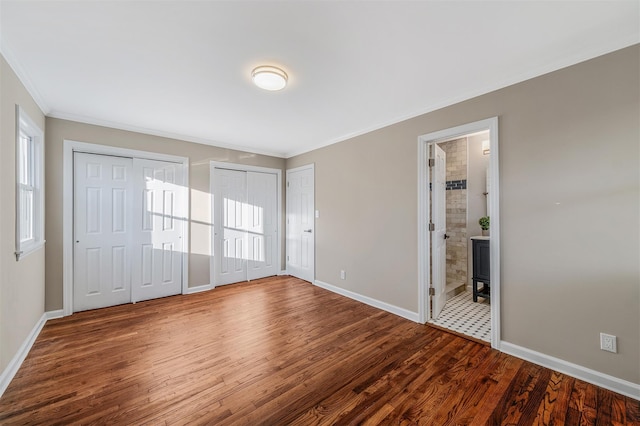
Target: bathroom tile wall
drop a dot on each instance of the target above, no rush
(456, 196)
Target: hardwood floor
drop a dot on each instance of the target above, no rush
(280, 351)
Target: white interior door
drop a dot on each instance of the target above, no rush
(102, 218)
(262, 226)
(230, 226)
(301, 223)
(438, 235)
(158, 220)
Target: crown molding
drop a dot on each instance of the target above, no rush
(23, 76)
(560, 63)
(177, 136)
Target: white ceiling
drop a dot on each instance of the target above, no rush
(182, 69)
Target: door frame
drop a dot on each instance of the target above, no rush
(71, 146)
(311, 167)
(490, 124)
(438, 259)
(243, 168)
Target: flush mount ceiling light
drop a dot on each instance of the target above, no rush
(269, 78)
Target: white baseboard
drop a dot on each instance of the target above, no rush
(404, 313)
(199, 288)
(597, 378)
(15, 363)
(54, 314)
(283, 272)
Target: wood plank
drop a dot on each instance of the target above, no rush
(513, 403)
(633, 411)
(502, 376)
(618, 410)
(582, 404)
(466, 402)
(427, 395)
(455, 333)
(545, 410)
(398, 387)
(560, 408)
(281, 351)
(604, 401)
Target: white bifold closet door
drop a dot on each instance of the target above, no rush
(102, 227)
(245, 225)
(157, 230)
(127, 230)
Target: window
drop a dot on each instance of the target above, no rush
(29, 185)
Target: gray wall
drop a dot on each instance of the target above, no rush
(21, 283)
(200, 205)
(569, 185)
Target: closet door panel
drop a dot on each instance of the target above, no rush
(230, 249)
(157, 229)
(102, 222)
(263, 228)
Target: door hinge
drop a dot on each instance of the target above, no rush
(432, 162)
(287, 258)
(432, 227)
(287, 184)
(432, 291)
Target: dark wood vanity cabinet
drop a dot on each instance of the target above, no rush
(481, 269)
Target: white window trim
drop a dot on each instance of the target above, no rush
(24, 124)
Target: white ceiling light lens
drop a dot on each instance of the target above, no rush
(269, 78)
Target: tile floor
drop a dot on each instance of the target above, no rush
(463, 315)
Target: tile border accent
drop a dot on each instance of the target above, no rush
(456, 184)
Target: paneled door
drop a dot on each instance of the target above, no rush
(301, 223)
(102, 218)
(262, 226)
(438, 235)
(157, 229)
(230, 226)
(128, 224)
(245, 221)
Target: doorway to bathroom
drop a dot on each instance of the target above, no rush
(459, 260)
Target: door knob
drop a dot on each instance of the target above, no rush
(446, 236)
(307, 230)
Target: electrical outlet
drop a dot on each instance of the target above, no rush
(343, 275)
(608, 343)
